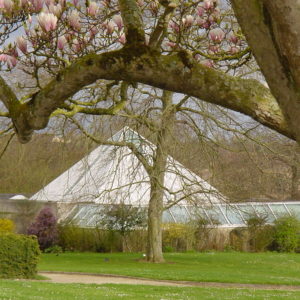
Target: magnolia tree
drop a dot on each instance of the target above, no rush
(63, 46)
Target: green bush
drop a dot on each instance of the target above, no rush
(261, 236)
(19, 255)
(7, 225)
(286, 236)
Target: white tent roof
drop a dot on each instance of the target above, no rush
(111, 174)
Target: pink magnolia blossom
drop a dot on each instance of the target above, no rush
(188, 21)
(47, 21)
(174, 26)
(171, 44)
(76, 46)
(49, 2)
(74, 20)
(75, 2)
(208, 4)
(110, 26)
(200, 11)
(233, 38)
(37, 5)
(208, 63)
(122, 39)
(92, 8)
(23, 3)
(21, 44)
(234, 50)
(9, 59)
(216, 35)
(55, 9)
(7, 5)
(140, 3)
(61, 42)
(118, 21)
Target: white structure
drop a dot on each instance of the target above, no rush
(113, 174)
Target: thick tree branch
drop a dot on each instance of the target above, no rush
(133, 22)
(177, 72)
(272, 29)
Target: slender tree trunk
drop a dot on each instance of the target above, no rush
(155, 209)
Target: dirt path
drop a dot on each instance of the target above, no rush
(74, 277)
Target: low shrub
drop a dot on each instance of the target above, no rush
(7, 225)
(287, 234)
(19, 256)
(179, 237)
(261, 235)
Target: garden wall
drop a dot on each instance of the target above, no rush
(23, 212)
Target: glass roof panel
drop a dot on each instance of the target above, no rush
(232, 214)
(278, 209)
(294, 209)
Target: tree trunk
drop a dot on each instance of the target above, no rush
(157, 174)
(155, 209)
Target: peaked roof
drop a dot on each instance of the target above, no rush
(112, 174)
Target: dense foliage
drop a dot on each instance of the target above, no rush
(287, 234)
(18, 256)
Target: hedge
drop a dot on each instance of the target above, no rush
(19, 255)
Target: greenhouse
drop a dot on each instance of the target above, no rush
(219, 215)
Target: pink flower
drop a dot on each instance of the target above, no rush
(10, 60)
(140, 3)
(188, 21)
(216, 35)
(171, 44)
(122, 39)
(23, 3)
(200, 11)
(7, 5)
(21, 44)
(234, 50)
(110, 26)
(55, 9)
(207, 63)
(208, 4)
(118, 21)
(75, 2)
(49, 2)
(174, 26)
(61, 42)
(37, 5)
(92, 8)
(233, 38)
(74, 20)
(76, 45)
(47, 21)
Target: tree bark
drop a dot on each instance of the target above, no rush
(272, 29)
(157, 175)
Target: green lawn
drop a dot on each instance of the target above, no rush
(18, 290)
(236, 267)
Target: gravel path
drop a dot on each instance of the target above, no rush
(74, 277)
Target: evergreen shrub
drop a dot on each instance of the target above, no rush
(19, 255)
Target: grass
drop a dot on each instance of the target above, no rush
(268, 268)
(20, 290)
